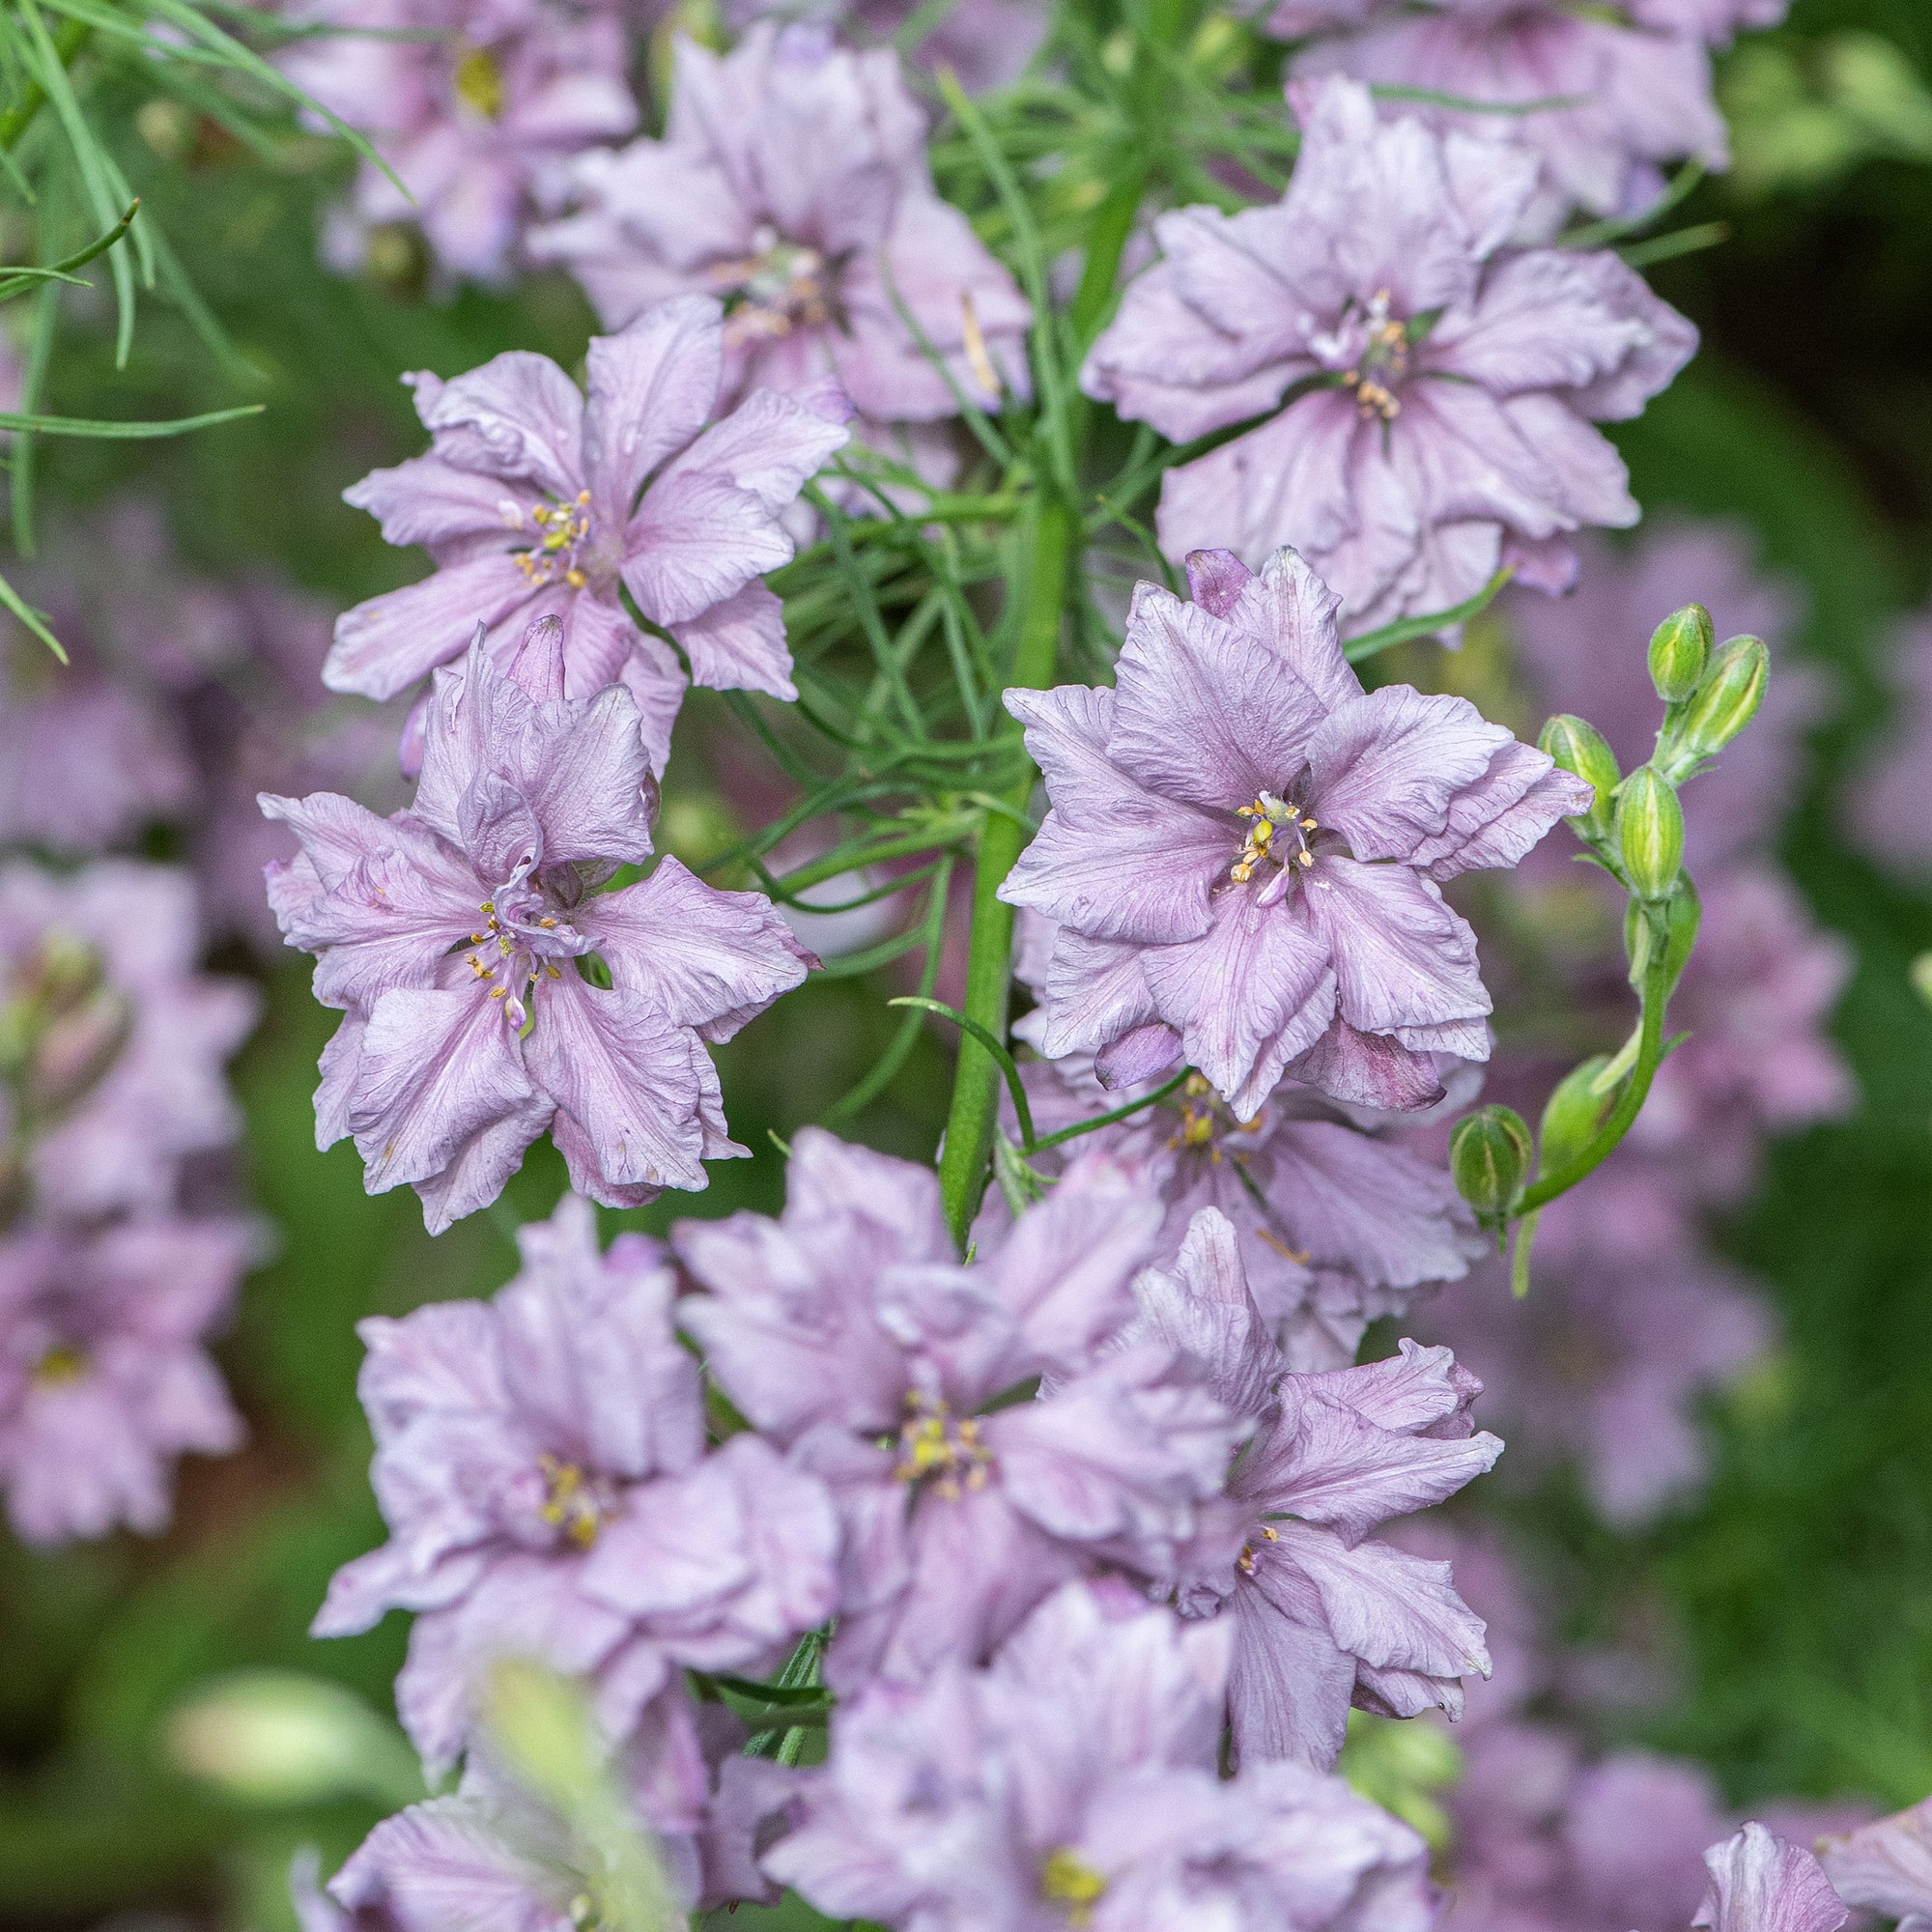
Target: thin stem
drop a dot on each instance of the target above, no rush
(17, 119)
(1630, 1103)
(976, 1081)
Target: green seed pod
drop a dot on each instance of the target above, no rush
(1650, 832)
(1489, 1155)
(1573, 1114)
(1575, 746)
(1728, 697)
(1679, 648)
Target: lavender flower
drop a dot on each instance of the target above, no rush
(105, 1379)
(1636, 85)
(1075, 1779)
(540, 1463)
(1440, 387)
(1885, 1868)
(1886, 798)
(115, 1044)
(451, 935)
(847, 1333)
(1322, 1616)
(474, 104)
(1337, 1224)
(1245, 849)
(792, 183)
(1760, 1884)
(534, 503)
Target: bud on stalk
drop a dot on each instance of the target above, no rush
(1489, 1155)
(1650, 833)
(1575, 746)
(1728, 699)
(1679, 648)
(1573, 1114)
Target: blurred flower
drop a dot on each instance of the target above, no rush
(474, 104)
(1885, 1868)
(105, 1379)
(1244, 850)
(1323, 1615)
(847, 1333)
(792, 184)
(1440, 387)
(452, 1059)
(1627, 1323)
(1887, 798)
(1631, 88)
(540, 1461)
(112, 1044)
(1075, 1780)
(1337, 1224)
(536, 502)
(986, 43)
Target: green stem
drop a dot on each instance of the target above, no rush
(17, 119)
(1630, 1103)
(976, 1081)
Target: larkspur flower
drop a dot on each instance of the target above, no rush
(1629, 89)
(792, 183)
(540, 1461)
(1885, 1868)
(115, 1043)
(1337, 1224)
(1441, 387)
(105, 1376)
(451, 935)
(475, 105)
(1244, 851)
(1074, 1781)
(536, 500)
(1761, 1884)
(849, 1335)
(1323, 1615)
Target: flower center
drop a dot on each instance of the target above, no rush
(1245, 1561)
(573, 1502)
(934, 1447)
(515, 945)
(780, 287)
(1277, 830)
(62, 1364)
(1369, 351)
(479, 83)
(1205, 1121)
(1067, 1880)
(562, 530)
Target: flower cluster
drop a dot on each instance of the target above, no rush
(1043, 1496)
(112, 1096)
(1440, 384)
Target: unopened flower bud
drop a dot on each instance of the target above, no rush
(1573, 1114)
(1650, 833)
(75, 1051)
(1489, 1155)
(1679, 648)
(1575, 746)
(1728, 699)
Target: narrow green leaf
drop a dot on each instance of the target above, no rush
(124, 432)
(13, 601)
(1399, 633)
(1005, 1059)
